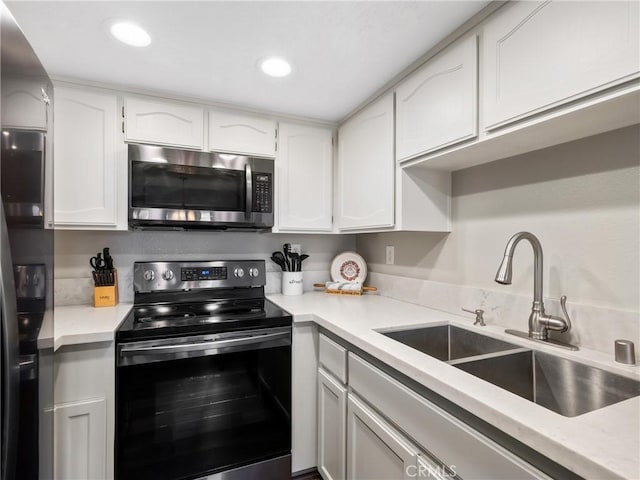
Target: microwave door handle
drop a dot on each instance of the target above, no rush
(249, 193)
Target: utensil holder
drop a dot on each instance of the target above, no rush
(292, 283)
(106, 296)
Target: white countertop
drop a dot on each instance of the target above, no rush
(602, 444)
(81, 324)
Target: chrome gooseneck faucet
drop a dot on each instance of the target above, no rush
(539, 322)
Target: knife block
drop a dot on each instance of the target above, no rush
(106, 296)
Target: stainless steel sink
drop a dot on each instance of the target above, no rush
(564, 386)
(447, 342)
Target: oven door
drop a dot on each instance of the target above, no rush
(169, 187)
(195, 406)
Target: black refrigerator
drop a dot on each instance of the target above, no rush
(26, 251)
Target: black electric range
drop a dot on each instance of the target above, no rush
(203, 377)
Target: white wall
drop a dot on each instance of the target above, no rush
(582, 201)
(74, 248)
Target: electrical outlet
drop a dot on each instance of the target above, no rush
(296, 248)
(390, 251)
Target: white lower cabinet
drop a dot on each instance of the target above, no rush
(84, 412)
(80, 437)
(458, 446)
(373, 427)
(375, 450)
(332, 422)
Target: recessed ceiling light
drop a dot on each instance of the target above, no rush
(276, 67)
(131, 34)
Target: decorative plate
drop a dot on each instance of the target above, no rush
(348, 267)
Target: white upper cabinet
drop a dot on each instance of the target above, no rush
(537, 55)
(24, 103)
(437, 106)
(305, 178)
(237, 132)
(366, 168)
(163, 123)
(89, 183)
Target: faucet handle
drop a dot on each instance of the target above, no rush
(563, 304)
(479, 316)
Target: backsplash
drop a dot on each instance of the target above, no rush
(74, 285)
(591, 326)
(581, 199)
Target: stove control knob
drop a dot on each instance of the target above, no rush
(239, 272)
(167, 275)
(254, 272)
(149, 275)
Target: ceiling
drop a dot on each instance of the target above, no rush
(342, 52)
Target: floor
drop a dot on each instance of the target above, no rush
(312, 475)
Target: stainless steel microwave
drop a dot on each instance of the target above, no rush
(182, 189)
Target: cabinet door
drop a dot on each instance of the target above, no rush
(163, 123)
(86, 159)
(80, 436)
(242, 133)
(24, 103)
(305, 185)
(457, 445)
(437, 106)
(376, 451)
(537, 55)
(332, 422)
(366, 168)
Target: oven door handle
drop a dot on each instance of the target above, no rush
(132, 355)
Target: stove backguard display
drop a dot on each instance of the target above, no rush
(209, 273)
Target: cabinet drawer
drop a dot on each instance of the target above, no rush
(446, 437)
(333, 358)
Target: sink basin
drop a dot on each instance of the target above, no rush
(448, 342)
(564, 386)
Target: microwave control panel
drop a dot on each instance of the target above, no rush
(262, 193)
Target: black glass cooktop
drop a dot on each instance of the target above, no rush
(155, 320)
